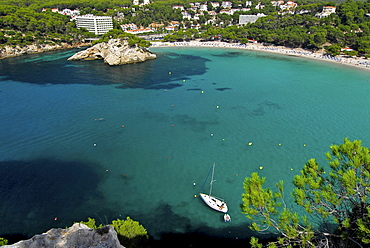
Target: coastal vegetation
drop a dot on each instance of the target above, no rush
(27, 22)
(26, 26)
(130, 233)
(3, 241)
(338, 198)
(335, 197)
(349, 27)
(332, 205)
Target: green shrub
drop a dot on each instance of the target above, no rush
(130, 233)
(90, 223)
(3, 241)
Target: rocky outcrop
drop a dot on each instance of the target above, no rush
(115, 52)
(78, 235)
(12, 51)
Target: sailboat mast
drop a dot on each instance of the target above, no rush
(213, 172)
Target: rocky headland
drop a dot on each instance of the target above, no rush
(17, 50)
(115, 52)
(78, 235)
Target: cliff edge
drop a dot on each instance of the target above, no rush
(115, 52)
(78, 235)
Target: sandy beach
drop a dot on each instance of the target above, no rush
(344, 60)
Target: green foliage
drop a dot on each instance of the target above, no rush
(348, 27)
(91, 223)
(3, 241)
(130, 233)
(342, 193)
(333, 49)
(24, 25)
(268, 211)
(254, 243)
(340, 196)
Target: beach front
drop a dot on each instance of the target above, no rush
(319, 55)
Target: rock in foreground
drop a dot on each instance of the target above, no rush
(78, 235)
(115, 52)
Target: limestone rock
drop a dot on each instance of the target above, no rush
(12, 51)
(115, 52)
(78, 235)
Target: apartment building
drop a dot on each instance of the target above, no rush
(95, 24)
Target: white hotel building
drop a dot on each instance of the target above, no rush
(95, 24)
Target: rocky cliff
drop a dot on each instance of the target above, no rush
(115, 52)
(11, 51)
(78, 235)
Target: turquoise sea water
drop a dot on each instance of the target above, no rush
(82, 139)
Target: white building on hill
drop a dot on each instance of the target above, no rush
(245, 19)
(327, 10)
(129, 26)
(215, 4)
(226, 4)
(95, 24)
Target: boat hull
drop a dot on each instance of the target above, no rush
(214, 203)
(227, 218)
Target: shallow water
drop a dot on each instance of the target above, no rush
(83, 139)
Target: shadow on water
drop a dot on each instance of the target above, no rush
(154, 74)
(266, 106)
(44, 193)
(222, 89)
(31, 196)
(279, 57)
(174, 230)
(196, 239)
(230, 54)
(193, 124)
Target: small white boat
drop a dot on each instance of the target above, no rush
(227, 218)
(212, 201)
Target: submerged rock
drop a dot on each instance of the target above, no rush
(115, 52)
(78, 235)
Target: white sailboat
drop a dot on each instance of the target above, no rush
(213, 202)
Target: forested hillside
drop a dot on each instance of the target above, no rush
(24, 22)
(24, 26)
(349, 27)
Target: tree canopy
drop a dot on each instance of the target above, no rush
(130, 233)
(25, 26)
(23, 22)
(339, 198)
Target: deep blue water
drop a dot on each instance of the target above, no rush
(83, 139)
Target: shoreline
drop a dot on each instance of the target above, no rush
(360, 63)
(15, 51)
